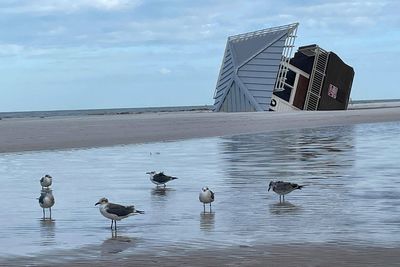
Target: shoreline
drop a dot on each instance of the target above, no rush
(36, 134)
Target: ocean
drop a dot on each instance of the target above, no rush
(111, 111)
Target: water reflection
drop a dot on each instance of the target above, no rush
(161, 191)
(351, 175)
(117, 244)
(328, 150)
(285, 207)
(47, 231)
(207, 221)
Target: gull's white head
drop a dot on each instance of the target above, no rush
(151, 173)
(205, 189)
(102, 201)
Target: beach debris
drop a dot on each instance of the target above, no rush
(160, 178)
(206, 196)
(283, 188)
(46, 181)
(116, 212)
(46, 201)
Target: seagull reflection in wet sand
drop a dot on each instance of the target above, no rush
(161, 191)
(47, 231)
(116, 212)
(116, 244)
(207, 221)
(283, 188)
(283, 207)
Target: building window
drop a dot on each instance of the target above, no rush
(290, 77)
(285, 94)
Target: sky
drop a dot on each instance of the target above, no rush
(87, 54)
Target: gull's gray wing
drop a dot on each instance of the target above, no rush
(119, 209)
(287, 186)
(161, 178)
(41, 198)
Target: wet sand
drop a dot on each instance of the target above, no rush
(298, 255)
(97, 131)
(108, 130)
(308, 255)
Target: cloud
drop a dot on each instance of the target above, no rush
(111, 4)
(55, 31)
(15, 50)
(10, 49)
(165, 71)
(185, 24)
(338, 15)
(65, 6)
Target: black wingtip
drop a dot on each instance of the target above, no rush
(140, 211)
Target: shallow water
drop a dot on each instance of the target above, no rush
(352, 193)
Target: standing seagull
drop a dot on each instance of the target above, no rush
(116, 212)
(160, 178)
(46, 181)
(283, 188)
(206, 196)
(46, 201)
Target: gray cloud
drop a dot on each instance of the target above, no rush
(130, 23)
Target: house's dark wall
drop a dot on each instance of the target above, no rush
(341, 76)
(303, 62)
(301, 92)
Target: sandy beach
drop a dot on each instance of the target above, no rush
(29, 134)
(296, 255)
(53, 133)
(264, 255)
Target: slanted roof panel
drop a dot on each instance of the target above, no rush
(248, 47)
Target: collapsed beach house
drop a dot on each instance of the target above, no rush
(258, 73)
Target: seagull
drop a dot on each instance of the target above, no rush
(46, 181)
(46, 201)
(160, 178)
(206, 196)
(283, 188)
(116, 212)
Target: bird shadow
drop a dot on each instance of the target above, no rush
(283, 207)
(117, 244)
(207, 221)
